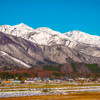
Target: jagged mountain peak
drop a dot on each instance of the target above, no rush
(16, 30)
(47, 36)
(20, 26)
(75, 32)
(23, 26)
(47, 30)
(79, 33)
(83, 37)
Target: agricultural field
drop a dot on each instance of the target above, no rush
(50, 92)
(74, 96)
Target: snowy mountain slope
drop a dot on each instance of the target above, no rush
(42, 35)
(16, 30)
(82, 37)
(80, 41)
(16, 60)
(19, 50)
(46, 36)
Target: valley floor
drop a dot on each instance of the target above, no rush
(74, 96)
(50, 92)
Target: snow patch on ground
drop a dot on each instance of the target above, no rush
(54, 91)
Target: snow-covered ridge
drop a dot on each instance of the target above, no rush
(82, 37)
(47, 36)
(42, 35)
(16, 30)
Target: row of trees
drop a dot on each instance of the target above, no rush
(52, 68)
(19, 76)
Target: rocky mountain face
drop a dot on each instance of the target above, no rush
(82, 42)
(25, 46)
(42, 35)
(19, 51)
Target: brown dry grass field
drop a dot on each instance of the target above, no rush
(74, 96)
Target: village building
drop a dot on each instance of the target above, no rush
(15, 82)
(29, 81)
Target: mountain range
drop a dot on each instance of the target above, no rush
(24, 46)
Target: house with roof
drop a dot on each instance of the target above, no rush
(6, 82)
(15, 82)
(33, 80)
(29, 81)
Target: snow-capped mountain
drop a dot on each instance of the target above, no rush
(42, 35)
(16, 30)
(82, 37)
(23, 53)
(46, 36)
(24, 46)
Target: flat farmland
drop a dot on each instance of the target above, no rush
(74, 96)
(50, 92)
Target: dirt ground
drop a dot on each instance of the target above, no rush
(74, 96)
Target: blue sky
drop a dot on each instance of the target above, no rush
(59, 15)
